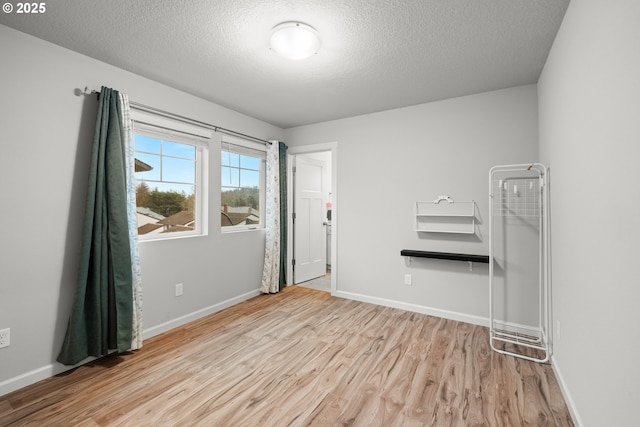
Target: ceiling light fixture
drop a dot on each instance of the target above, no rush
(295, 40)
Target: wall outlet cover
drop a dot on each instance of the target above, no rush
(5, 337)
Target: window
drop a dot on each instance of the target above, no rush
(242, 185)
(169, 178)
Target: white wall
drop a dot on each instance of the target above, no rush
(46, 132)
(589, 100)
(392, 159)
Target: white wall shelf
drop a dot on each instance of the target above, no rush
(444, 215)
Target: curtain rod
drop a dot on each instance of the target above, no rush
(167, 114)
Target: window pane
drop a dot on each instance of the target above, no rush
(248, 162)
(166, 185)
(147, 166)
(240, 191)
(161, 200)
(176, 149)
(230, 177)
(230, 158)
(186, 189)
(240, 200)
(178, 170)
(147, 144)
(249, 178)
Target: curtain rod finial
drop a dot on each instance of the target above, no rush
(86, 91)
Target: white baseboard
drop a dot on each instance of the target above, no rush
(446, 314)
(179, 321)
(565, 393)
(32, 377)
(48, 371)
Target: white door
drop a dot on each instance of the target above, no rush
(309, 233)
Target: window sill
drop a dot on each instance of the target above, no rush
(163, 238)
(240, 230)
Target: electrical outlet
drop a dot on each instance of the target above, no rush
(179, 290)
(407, 279)
(5, 337)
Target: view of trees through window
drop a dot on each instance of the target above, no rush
(166, 203)
(249, 197)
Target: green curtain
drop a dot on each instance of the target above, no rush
(282, 152)
(101, 317)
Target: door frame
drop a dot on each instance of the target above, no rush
(308, 149)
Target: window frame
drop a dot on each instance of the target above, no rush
(201, 145)
(248, 148)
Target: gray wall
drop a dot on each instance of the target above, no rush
(387, 161)
(589, 96)
(46, 132)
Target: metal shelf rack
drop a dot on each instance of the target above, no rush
(519, 200)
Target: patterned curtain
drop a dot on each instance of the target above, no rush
(102, 316)
(273, 273)
(136, 276)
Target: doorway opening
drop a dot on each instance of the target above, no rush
(313, 220)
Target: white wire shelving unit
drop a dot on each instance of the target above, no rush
(519, 197)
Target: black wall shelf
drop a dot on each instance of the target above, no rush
(445, 255)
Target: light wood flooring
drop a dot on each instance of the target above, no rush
(301, 358)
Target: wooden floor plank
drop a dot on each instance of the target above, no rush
(301, 358)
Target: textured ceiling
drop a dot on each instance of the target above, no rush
(375, 55)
